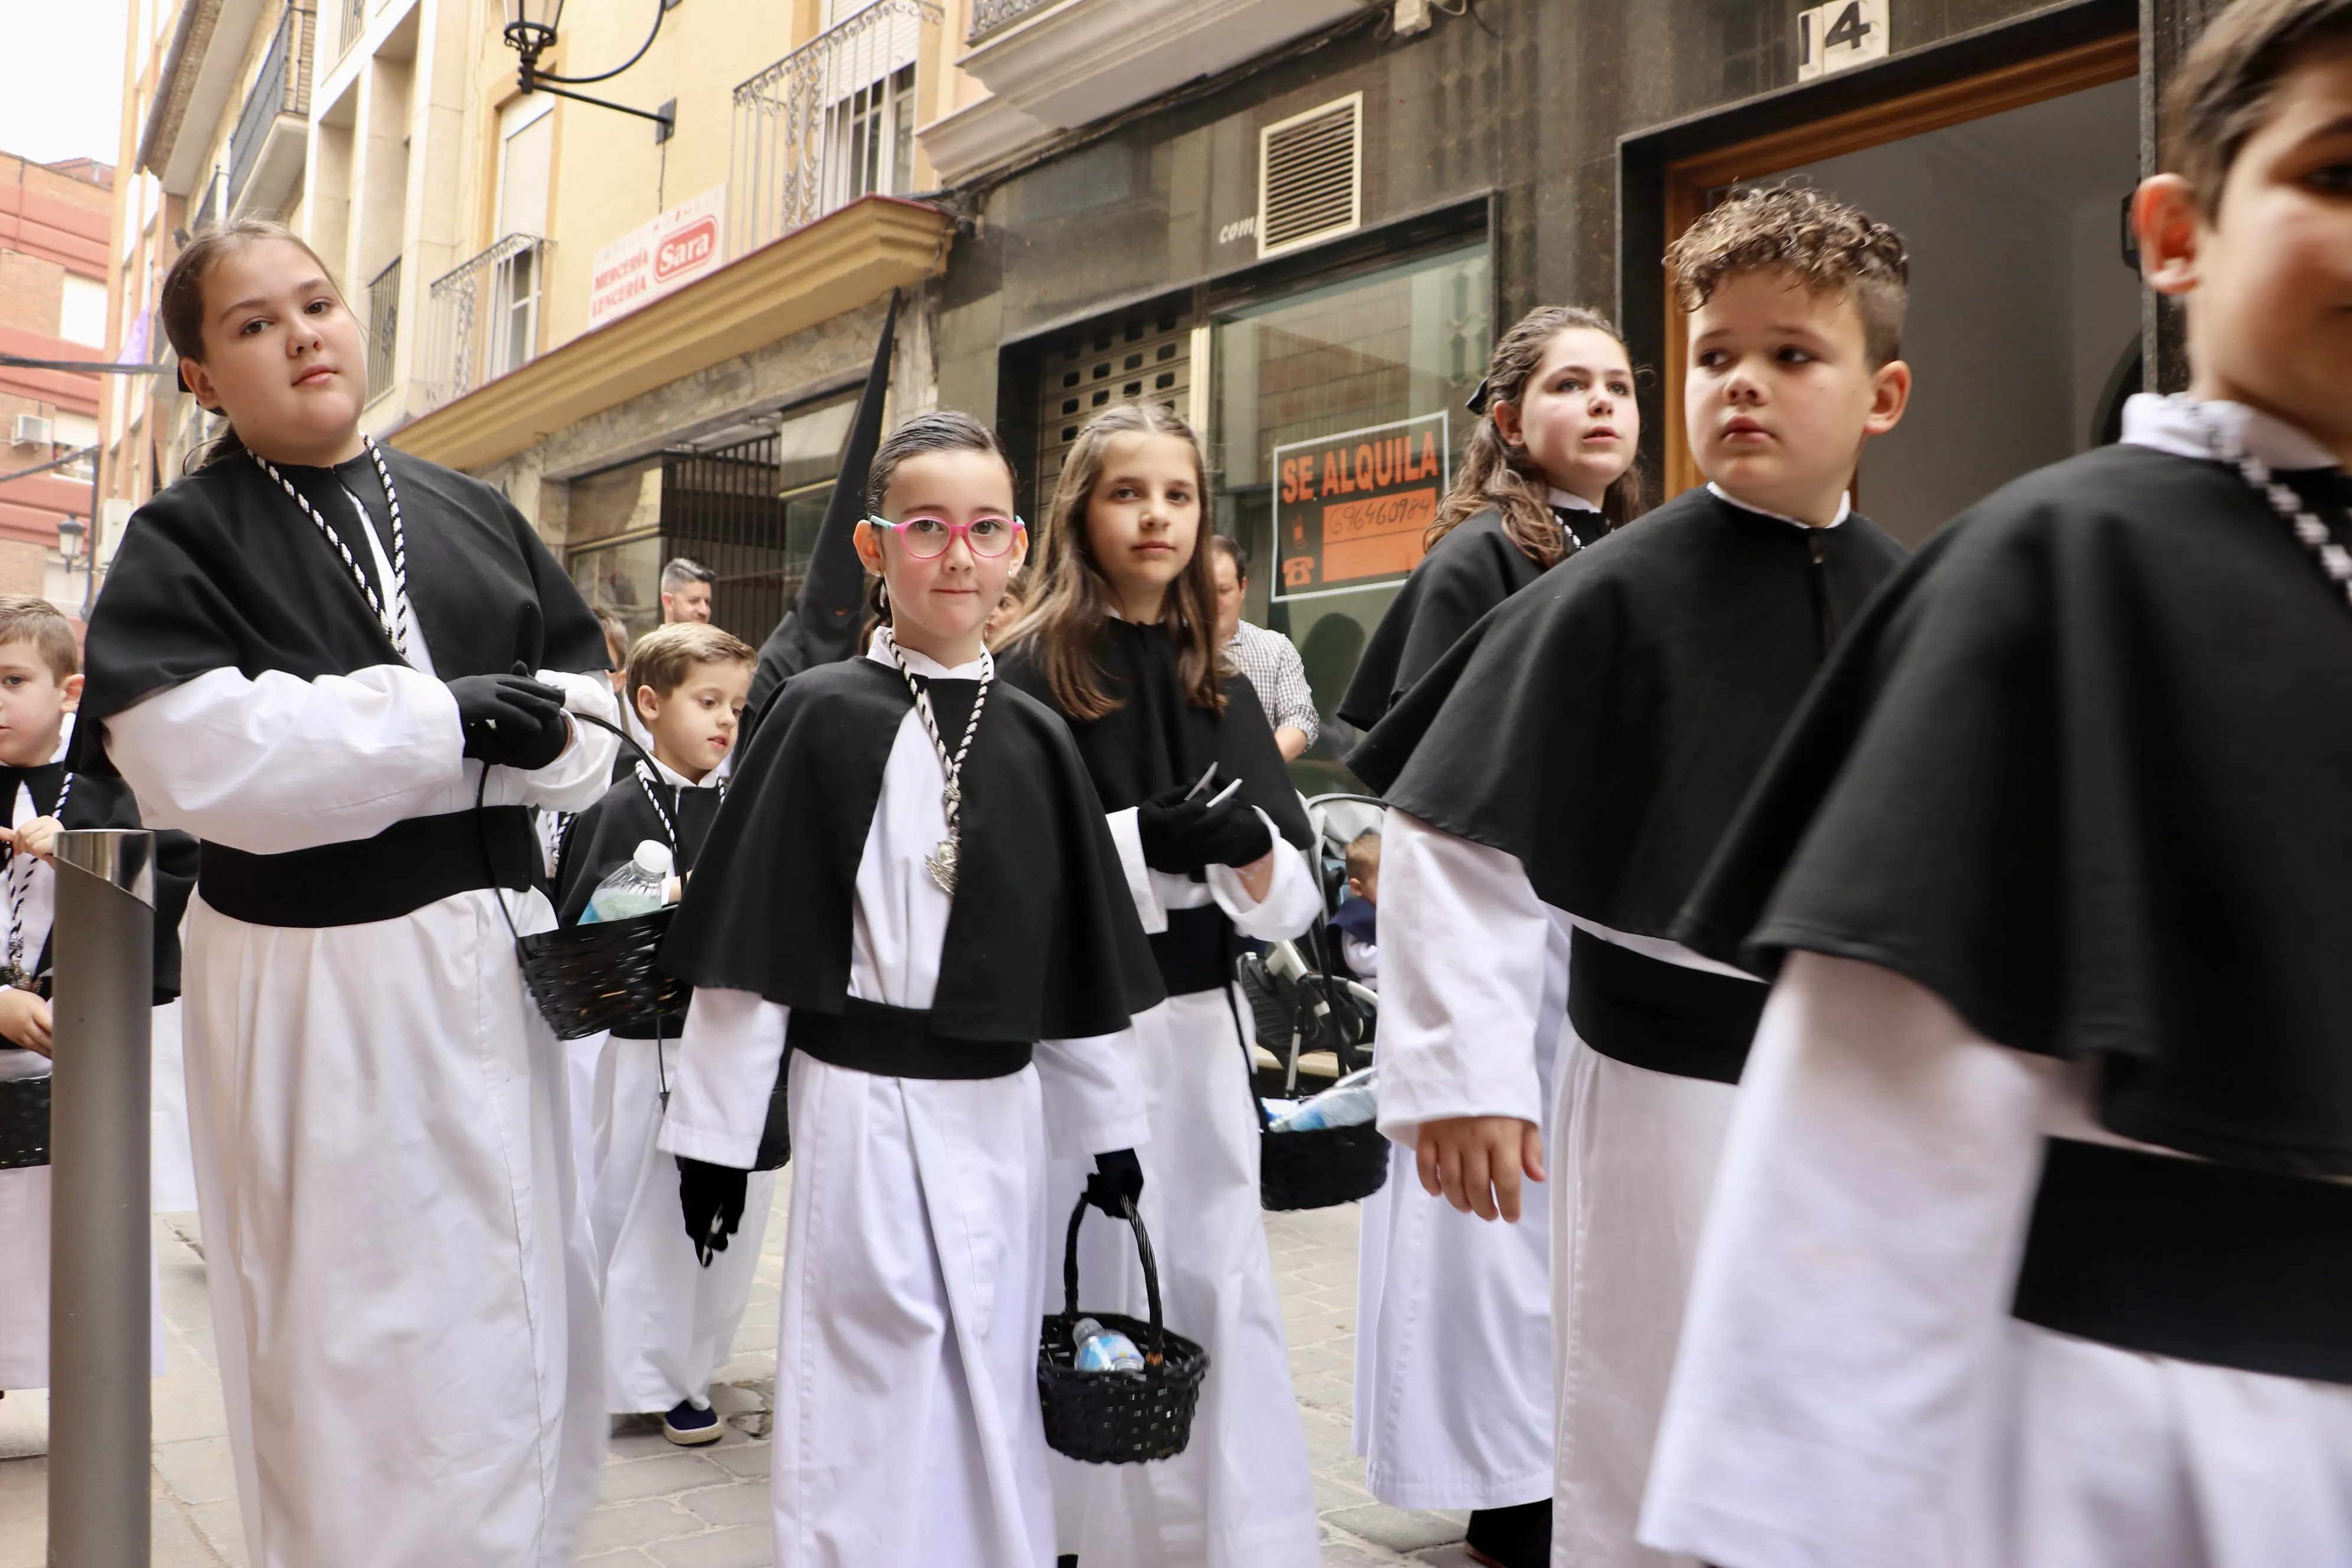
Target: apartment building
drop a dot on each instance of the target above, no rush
(53, 249)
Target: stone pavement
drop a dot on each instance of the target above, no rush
(707, 1508)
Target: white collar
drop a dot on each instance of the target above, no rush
(1571, 501)
(1845, 508)
(981, 669)
(675, 780)
(2172, 424)
(65, 738)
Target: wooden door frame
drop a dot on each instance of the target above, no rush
(1664, 174)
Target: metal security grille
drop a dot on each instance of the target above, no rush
(721, 508)
(1140, 357)
(1310, 176)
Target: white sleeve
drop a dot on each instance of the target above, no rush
(1293, 901)
(1465, 941)
(728, 1053)
(1094, 1094)
(1363, 958)
(277, 763)
(1852, 1284)
(578, 778)
(1130, 843)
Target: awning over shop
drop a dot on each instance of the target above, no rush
(843, 261)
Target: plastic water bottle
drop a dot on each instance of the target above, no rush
(1350, 1102)
(635, 888)
(1103, 1350)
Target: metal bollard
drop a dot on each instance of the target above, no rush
(100, 1421)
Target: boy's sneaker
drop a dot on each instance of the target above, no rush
(688, 1423)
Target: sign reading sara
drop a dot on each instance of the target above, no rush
(1349, 510)
(655, 257)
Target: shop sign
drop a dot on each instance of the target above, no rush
(1351, 510)
(655, 257)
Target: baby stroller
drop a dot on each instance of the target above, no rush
(1304, 1007)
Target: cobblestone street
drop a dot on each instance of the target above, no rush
(705, 1508)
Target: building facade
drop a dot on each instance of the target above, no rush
(53, 222)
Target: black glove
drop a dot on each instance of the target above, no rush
(1166, 823)
(1234, 835)
(1117, 1181)
(712, 1197)
(510, 720)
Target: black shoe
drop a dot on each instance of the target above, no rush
(1516, 1537)
(688, 1423)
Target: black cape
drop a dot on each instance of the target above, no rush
(1042, 941)
(1466, 574)
(600, 838)
(2083, 772)
(224, 570)
(1155, 739)
(1602, 726)
(106, 802)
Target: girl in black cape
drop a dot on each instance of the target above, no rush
(911, 891)
(1119, 640)
(1548, 467)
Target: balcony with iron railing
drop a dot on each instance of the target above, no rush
(830, 122)
(265, 149)
(481, 318)
(994, 16)
(383, 328)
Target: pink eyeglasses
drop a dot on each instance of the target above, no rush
(927, 538)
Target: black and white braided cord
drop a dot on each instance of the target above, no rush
(952, 798)
(394, 617)
(2335, 561)
(20, 886)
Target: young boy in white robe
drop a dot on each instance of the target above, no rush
(40, 682)
(910, 897)
(1569, 767)
(2030, 1244)
(669, 1323)
(305, 654)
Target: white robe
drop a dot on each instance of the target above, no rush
(1454, 1334)
(1241, 1494)
(906, 1421)
(1631, 1167)
(403, 1290)
(1853, 1389)
(25, 1192)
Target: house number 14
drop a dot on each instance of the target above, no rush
(1840, 34)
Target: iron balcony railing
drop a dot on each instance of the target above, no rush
(831, 121)
(383, 328)
(282, 88)
(481, 318)
(354, 23)
(995, 16)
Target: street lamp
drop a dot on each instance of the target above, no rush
(71, 531)
(530, 32)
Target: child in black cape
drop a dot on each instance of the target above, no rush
(669, 1320)
(2031, 1242)
(1557, 783)
(911, 891)
(1548, 468)
(1120, 639)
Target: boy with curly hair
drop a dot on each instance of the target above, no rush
(1557, 783)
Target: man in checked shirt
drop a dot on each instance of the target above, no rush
(1268, 658)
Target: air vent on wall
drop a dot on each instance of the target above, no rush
(1310, 176)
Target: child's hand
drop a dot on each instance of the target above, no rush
(1476, 1162)
(25, 1018)
(37, 838)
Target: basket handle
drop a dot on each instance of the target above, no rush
(1151, 1273)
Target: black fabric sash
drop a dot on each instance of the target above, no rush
(2193, 1260)
(898, 1042)
(1667, 1018)
(1192, 952)
(407, 866)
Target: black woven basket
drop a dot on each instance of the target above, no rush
(24, 1123)
(1321, 1167)
(1117, 1417)
(603, 976)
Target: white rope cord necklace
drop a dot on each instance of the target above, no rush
(2334, 560)
(941, 861)
(391, 615)
(18, 887)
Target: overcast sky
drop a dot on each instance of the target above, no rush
(62, 79)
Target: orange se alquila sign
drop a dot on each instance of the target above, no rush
(1350, 509)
